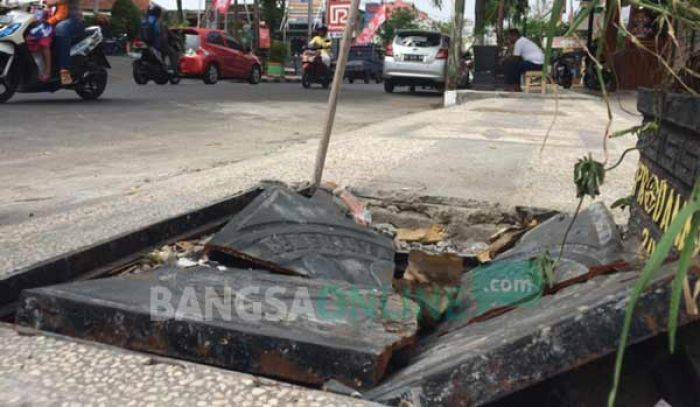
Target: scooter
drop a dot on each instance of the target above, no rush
(20, 70)
(155, 65)
(314, 70)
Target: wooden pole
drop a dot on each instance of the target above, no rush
(335, 91)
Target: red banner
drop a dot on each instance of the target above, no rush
(221, 6)
(370, 30)
(265, 37)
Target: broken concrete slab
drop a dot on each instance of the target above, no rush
(594, 241)
(297, 329)
(286, 232)
(473, 364)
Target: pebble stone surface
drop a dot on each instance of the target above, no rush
(37, 370)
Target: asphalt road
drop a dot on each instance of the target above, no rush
(58, 152)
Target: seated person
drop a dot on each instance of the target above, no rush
(156, 34)
(69, 27)
(527, 56)
(40, 38)
(320, 42)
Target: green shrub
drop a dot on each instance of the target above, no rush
(278, 52)
(126, 18)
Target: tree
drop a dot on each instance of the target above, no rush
(180, 18)
(401, 19)
(126, 18)
(272, 13)
(455, 54)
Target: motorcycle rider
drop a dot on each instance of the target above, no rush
(158, 35)
(321, 42)
(66, 30)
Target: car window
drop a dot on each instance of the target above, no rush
(231, 43)
(358, 53)
(191, 42)
(215, 38)
(425, 40)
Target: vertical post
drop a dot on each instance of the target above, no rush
(235, 20)
(309, 20)
(256, 25)
(455, 53)
(96, 7)
(335, 91)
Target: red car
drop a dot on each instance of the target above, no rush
(213, 55)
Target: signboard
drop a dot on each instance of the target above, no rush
(338, 14)
(567, 42)
(297, 11)
(264, 37)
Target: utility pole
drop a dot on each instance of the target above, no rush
(335, 91)
(455, 54)
(309, 17)
(256, 25)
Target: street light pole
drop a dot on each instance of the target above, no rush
(335, 91)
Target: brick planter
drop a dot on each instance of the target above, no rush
(669, 163)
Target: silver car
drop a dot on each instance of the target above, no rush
(416, 58)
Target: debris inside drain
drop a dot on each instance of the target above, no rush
(399, 272)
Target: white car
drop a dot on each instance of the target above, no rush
(416, 58)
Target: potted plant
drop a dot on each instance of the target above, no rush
(665, 206)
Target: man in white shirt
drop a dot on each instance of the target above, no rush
(529, 58)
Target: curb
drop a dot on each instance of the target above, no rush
(278, 79)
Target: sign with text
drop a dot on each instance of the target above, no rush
(338, 14)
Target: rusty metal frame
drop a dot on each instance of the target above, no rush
(100, 258)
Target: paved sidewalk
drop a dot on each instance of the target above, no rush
(43, 371)
(487, 149)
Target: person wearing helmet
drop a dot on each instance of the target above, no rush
(321, 42)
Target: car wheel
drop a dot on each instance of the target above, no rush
(211, 76)
(255, 75)
(175, 79)
(139, 72)
(388, 86)
(350, 80)
(92, 87)
(306, 79)
(412, 89)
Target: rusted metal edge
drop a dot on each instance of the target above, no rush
(100, 258)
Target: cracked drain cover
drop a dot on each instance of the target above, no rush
(286, 232)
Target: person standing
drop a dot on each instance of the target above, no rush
(527, 56)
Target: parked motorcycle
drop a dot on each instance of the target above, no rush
(563, 68)
(314, 70)
(20, 70)
(161, 67)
